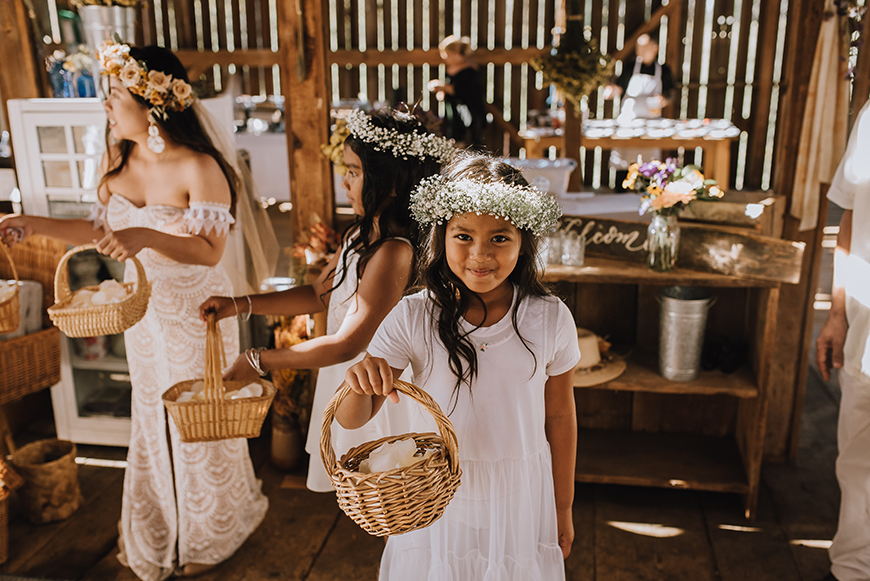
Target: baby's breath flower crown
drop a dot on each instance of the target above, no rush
(401, 145)
(436, 199)
(160, 90)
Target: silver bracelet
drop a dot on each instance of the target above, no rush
(253, 357)
(238, 316)
(250, 309)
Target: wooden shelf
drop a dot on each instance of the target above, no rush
(663, 460)
(597, 269)
(642, 374)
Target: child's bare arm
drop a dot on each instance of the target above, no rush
(561, 429)
(372, 382)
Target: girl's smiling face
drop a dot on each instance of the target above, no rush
(353, 180)
(127, 117)
(482, 251)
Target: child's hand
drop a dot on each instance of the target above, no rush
(372, 376)
(565, 523)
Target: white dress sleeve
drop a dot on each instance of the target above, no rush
(566, 354)
(205, 217)
(98, 214)
(853, 174)
(393, 340)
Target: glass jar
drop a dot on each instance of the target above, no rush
(663, 241)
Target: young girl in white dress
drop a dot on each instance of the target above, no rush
(386, 155)
(167, 196)
(497, 353)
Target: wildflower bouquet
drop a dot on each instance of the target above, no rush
(667, 188)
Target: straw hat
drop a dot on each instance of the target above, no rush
(595, 366)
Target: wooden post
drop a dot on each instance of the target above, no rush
(794, 330)
(573, 124)
(301, 26)
(19, 79)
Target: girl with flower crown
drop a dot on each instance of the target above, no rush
(167, 196)
(386, 155)
(497, 353)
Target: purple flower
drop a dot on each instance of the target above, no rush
(649, 169)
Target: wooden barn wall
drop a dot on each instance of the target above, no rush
(721, 66)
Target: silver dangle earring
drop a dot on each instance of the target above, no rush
(155, 142)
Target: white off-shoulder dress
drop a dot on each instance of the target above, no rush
(182, 503)
(501, 524)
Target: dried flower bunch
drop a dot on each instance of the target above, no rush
(436, 199)
(160, 90)
(576, 66)
(334, 150)
(126, 3)
(668, 188)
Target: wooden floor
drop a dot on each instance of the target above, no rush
(622, 533)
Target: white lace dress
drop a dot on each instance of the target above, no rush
(182, 503)
(501, 524)
(392, 420)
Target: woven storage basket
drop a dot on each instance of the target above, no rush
(51, 490)
(29, 363)
(403, 499)
(216, 418)
(36, 258)
(10, 481)
(10, 309)
(94, 321)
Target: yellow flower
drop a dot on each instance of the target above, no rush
(628, 182)
(715, 192)
(158, 80)
(653, 190)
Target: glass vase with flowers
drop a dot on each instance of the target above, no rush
(666, 188)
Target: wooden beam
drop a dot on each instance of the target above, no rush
(419, 57)
(19, 79)
(673, 7)
(301, 26)
(199, 61)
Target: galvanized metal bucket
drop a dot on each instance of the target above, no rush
(681, 331)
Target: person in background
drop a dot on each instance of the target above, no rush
(463, 93)
(497, 352)
(645, 87)
(844, 344)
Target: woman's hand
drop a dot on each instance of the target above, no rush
(565, 525)
(372, 376)
(14, 228)
(222, 307)
(124, 244)
(830, 342)
(240, 370)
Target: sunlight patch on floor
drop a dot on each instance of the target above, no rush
(647, 529)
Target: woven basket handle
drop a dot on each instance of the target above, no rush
(62, 290)
(11, 262)
(445, 428)
(215, 361)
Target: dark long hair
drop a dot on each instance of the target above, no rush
(386, 191)
(182, 127)
(450, 297)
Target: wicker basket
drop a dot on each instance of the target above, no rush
(403, 499)
(216, 418)
(94, 321)
(10, 309)
(29, 363)
(11, 481)
(36, 258)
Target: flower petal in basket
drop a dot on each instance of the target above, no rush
(92, 321)
(400, 500)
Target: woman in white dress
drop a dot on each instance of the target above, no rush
(497, 353)
(167, 196)
(386, 154)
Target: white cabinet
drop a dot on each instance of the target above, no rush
(58, 145)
